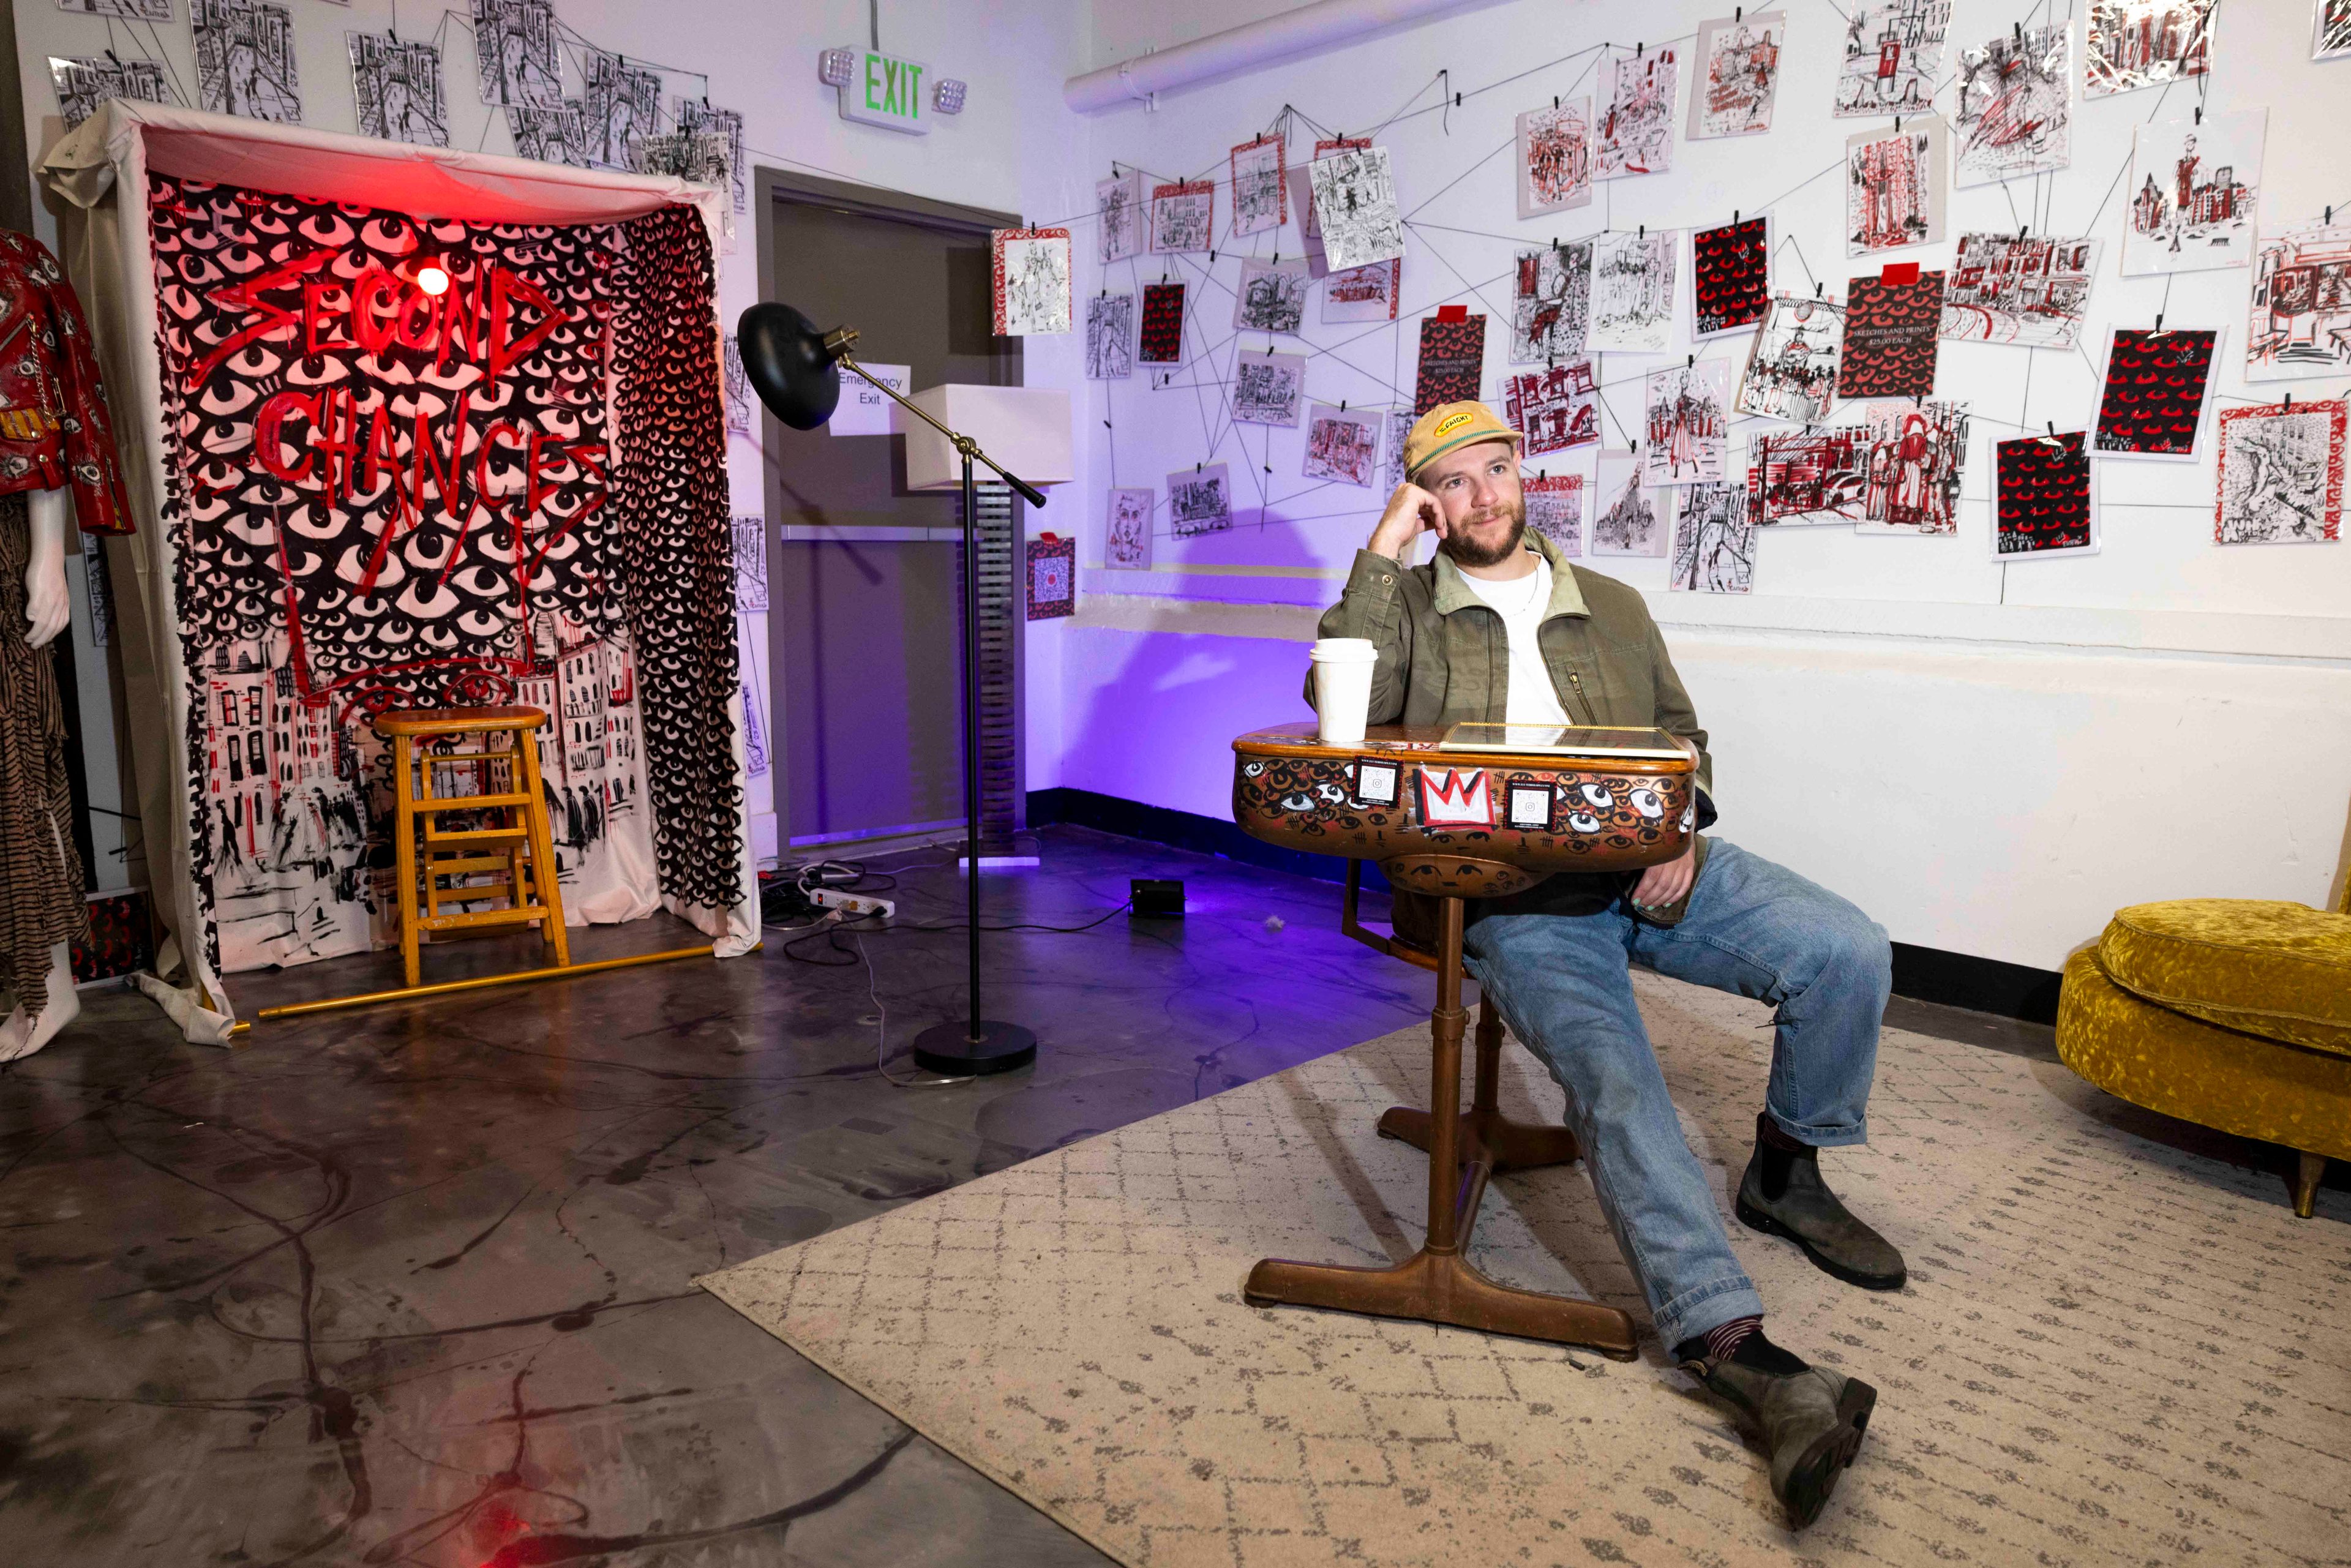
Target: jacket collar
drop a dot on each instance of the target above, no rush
(1566, 597)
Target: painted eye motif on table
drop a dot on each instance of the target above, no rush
(1689, 815)
(1331, 794)
(1598, 799)
(1297, 803)
(1251, 770)
(1646, 801)
(1583, 822)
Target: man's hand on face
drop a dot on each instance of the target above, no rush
(1663, 886)
(1411, 512)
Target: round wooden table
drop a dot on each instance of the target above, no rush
(1455, 826)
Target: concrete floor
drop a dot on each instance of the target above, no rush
(410, 1285)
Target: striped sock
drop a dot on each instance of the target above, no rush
(1723, 1341)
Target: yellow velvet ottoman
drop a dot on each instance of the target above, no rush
(2232, 1013)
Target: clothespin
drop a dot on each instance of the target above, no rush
(1693, 361)
(1554, 100)
(2200, 114)
(1268, 347)
(1897, 125)
(1105, 424)
(1457, 100)
(1737, 15)
(2050, 439)
(2019, 34)
(1196, 467)
(1212, 256)
(1637, 48)
(1644, 232)
(2021, 229)
(2289, 402)
(1817, 290)
(2158, 326)
(1734, 217)
(1342, 405)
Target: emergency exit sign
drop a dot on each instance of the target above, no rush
(883, 90)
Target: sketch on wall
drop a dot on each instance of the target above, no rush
(2031, 290)
(515, 55)
(1272, 295)
(1261, 194)
(1031, 275)
(1917, 452)
(1635, 133)
(1452, 361)
(1686, 421)
(2155, 390)
(1161, 340)
(1373, 293)
(695, 116)
(1714, 543)
(2041, 505)
(1554, 158)
(1632, 292)
(1891, 338)
(2195, 187)
(82, 84)
(1269, 389)
(1554, 408)
(126, 10)
(1199, 501)
(1126, 531)
(1118, 213)
(1731, 276)
(1110, 337)
(2330, 29)
(1554, 505)
(244, 59)
(1802, 478)
(1355, 203)
(2301, 319)
(1551, 303)
(1399, 426)
(2014, 113)
(2134, 43)
(1302, 186)
(1792, 372)
(396, 83)
(1893, 53)
(1342, 446)
(1893, 187)
(1183, 216)
(621, 104)
(2280, 474)
(697, 158)
(735, 386)
(1738, 75)
(1625, 518)
(552, 135)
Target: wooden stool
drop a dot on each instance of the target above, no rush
(522, 847)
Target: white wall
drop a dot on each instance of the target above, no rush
(1003, 151)
(1990, 757)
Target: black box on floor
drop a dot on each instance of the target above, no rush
(1159, 895)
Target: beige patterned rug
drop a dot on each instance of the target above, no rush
(2108, 1352)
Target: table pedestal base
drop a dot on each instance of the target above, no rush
(1438, 1284)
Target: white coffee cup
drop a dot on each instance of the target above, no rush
(1343, 688)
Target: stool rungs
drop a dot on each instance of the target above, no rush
(424, 805)
(462, 865)
(524, 916)
(435, 836)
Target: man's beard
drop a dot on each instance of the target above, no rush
(1457, 545)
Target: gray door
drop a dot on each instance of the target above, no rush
(865, 630)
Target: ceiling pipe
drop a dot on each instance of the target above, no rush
(1310, 28)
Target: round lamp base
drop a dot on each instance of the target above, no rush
(948, 1050)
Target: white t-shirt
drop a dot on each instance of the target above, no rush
(1520, 603)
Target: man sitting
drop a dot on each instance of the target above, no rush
(1496, 627)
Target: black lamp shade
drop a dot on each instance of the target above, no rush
(789, 365)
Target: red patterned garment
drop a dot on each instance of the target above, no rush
(54, 429)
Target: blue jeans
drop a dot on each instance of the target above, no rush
(1564, 984)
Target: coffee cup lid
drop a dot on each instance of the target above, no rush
(1344, 650)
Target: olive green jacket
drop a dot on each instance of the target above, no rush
(1445, 658)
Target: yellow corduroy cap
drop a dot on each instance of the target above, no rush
(1447, 426)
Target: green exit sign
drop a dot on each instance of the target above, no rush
(883, 90)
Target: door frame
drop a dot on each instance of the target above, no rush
(774, 187)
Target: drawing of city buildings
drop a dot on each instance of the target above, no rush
(244, 59)
(297, 790)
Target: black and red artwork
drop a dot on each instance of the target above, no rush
(392, 481)
(2157, 386)
(1452, 359)
(1890, 327)
(1162, 324)
(2043, 507)
(1730, 274)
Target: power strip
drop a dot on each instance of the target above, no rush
(856, 904)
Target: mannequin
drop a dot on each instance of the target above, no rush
(47, 611)
(53, 436)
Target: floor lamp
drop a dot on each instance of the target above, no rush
(790, 363)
